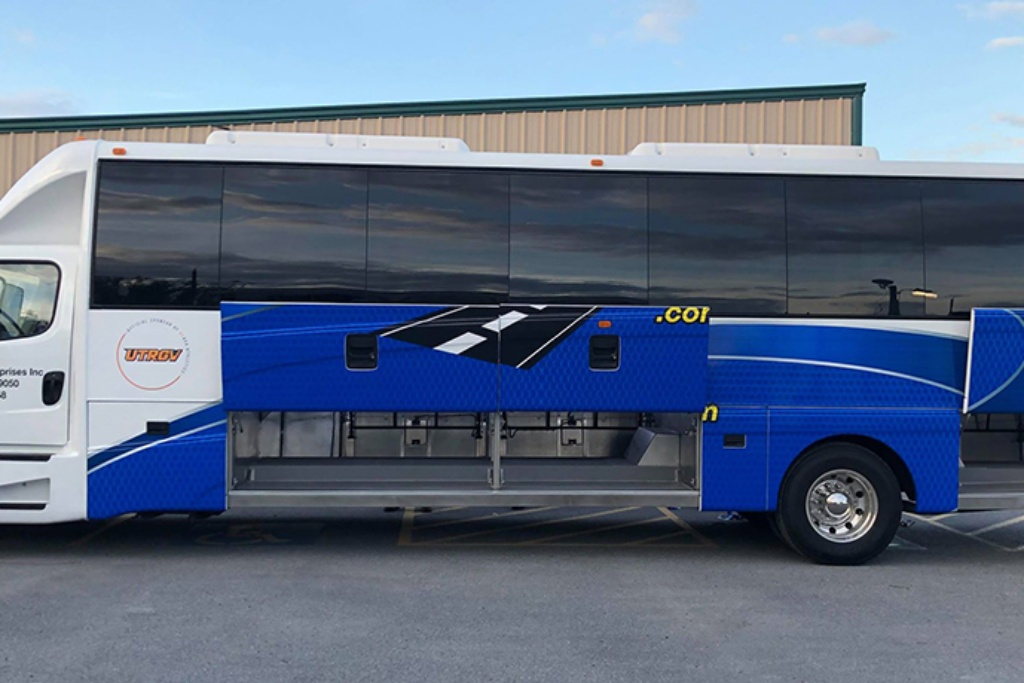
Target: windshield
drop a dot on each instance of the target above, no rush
(28, 294)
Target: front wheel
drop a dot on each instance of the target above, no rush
(840, 504)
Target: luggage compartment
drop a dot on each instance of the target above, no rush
(360, 398)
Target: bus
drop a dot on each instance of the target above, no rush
(809, 336)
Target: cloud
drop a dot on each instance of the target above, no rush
(1012, 119)
(994, 10)
(38, 103)
(861, 33)
(980, 148)
(791, 38)
(1008, 41)
(661, 22)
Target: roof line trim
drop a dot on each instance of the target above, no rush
(434, 108)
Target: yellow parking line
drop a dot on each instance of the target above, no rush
(482, 518)
(405, 534)
(559, 537)
(686, 527)
(102, 530)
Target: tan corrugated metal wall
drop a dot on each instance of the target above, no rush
(827, 121)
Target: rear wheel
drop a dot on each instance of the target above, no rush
(840, 504)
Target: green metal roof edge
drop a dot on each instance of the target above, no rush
(857, 120)
(245, 116)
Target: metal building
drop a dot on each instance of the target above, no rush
(593, 124)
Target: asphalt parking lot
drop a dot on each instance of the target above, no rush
(548, 594)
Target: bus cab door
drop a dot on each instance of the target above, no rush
(36, 309)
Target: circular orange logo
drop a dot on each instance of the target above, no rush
(153, 354)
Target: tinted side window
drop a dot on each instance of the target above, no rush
(719, 242)
(854, 244)
(157, 235)
(28, 297)
(579, 239)
(974, 240)
(294, 234)
(438, 237)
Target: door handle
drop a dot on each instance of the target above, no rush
(361, 352)
(604, 352)
(53, 387)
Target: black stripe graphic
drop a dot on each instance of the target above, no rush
(525, 343)
(434, 331)
(527, 335)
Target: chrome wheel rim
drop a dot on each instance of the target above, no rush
(842, 506)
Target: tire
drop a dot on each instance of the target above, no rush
(766, 521)
(762, 521)
(840, 504)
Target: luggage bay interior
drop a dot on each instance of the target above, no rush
(375, 450)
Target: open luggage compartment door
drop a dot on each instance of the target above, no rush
(612, 358)
(348, 357)
(995, 363)
(353, 357)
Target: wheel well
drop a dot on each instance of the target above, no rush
(883, 451)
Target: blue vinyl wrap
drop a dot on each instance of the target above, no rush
(735, 478)
(292, 357)
(183, 471)
(663, 368)
(817, 381)
(818, 366)
(928, 441)
(785, 386)
(997, 361)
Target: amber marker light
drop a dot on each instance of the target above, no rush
(604, 324)
(597, 162)
(120, 151)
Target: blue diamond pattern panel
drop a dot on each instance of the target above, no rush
(466, 358)
(184, 471)
(734, 461)
(661, 364)
(825, 364)
(928, 442)
(997, 361)
(293, 357)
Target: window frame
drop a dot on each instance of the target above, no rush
(705, 175)
(642, 177)
(645, 175)
(910, 181)
(927, 232)
(56, 298)
(222, 289)
(94, 233)
(384, 297)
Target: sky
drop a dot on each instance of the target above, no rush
(945, 78)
